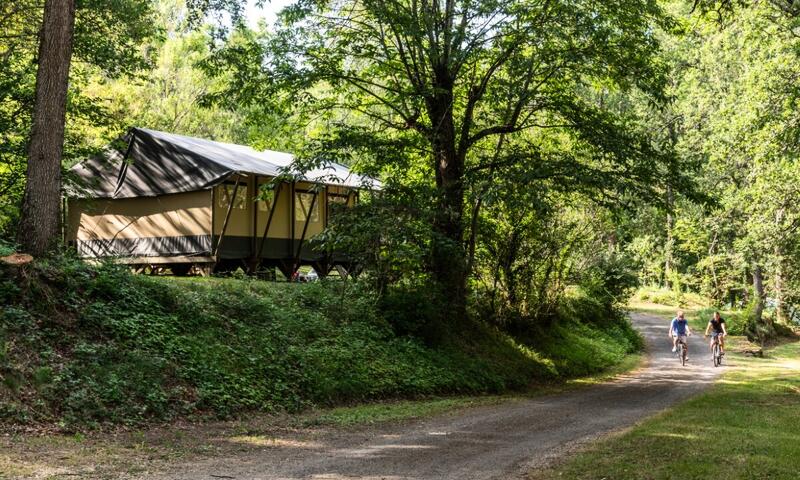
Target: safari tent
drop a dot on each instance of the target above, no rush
(170, 201)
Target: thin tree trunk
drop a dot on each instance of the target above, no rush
(780, 306)
(476, 209)
(668, 246)
(758, 291)
(777, 284)
(764, 326)
(40, 223)
(713, 268)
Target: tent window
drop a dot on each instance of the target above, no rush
(225, 192)
(302, 207)
(264, 199)
(264, 205)
(336, 202)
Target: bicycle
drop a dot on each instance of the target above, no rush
(682, 351)
(716, 351)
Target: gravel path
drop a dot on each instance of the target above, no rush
(499, 441)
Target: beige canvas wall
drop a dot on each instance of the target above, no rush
(181, 214)
(280, 226)
(343, 191)
(304, 192)
(187, 214)
(240, 223)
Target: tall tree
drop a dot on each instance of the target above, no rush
(40, 224)
(448, 76)
(111, 40)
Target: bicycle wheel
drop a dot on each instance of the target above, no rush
(683, 354)
(715, 358)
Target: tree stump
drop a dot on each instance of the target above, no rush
(17, 259)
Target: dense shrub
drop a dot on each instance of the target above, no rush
(84, 345)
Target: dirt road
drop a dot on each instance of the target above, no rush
(499, 441)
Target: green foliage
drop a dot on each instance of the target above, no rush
(735, 114)
(611, 280)
(107, 43)
(134, 63)
(589, 336)
(6, 248)
(87, 346)
(400, 410)
(670, 297)
(473, 116)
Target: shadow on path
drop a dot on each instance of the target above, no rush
(499, 441)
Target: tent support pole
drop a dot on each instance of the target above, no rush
(269, 220)
(253, 201)
(293, 220)
(231, 200)
(303, 235)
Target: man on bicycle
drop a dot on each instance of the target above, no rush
(679, 330)
(717, 328)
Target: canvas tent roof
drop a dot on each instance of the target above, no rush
(153, 163)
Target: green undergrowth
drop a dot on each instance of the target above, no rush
(665, 296)
(745, 427)
(86, 346)
(379, 412)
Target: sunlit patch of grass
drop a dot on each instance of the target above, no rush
(397, 410)
(266, 441)
(662, 296)
(685, 436)
(745, 427)
(651, 308)
(12, 467)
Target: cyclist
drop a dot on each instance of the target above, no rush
(717, 328)
(679, 330)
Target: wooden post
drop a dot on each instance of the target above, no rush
(327, 204)
(252, 200)
(227, 218)
(213, 217)
(292, 219)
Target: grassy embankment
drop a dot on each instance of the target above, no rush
(745, 427)
(86, 346)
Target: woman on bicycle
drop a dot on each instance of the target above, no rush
(717, 328)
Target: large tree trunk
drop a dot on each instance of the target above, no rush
(40, 225)
(448, 258)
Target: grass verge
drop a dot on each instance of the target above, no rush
(746, 426)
